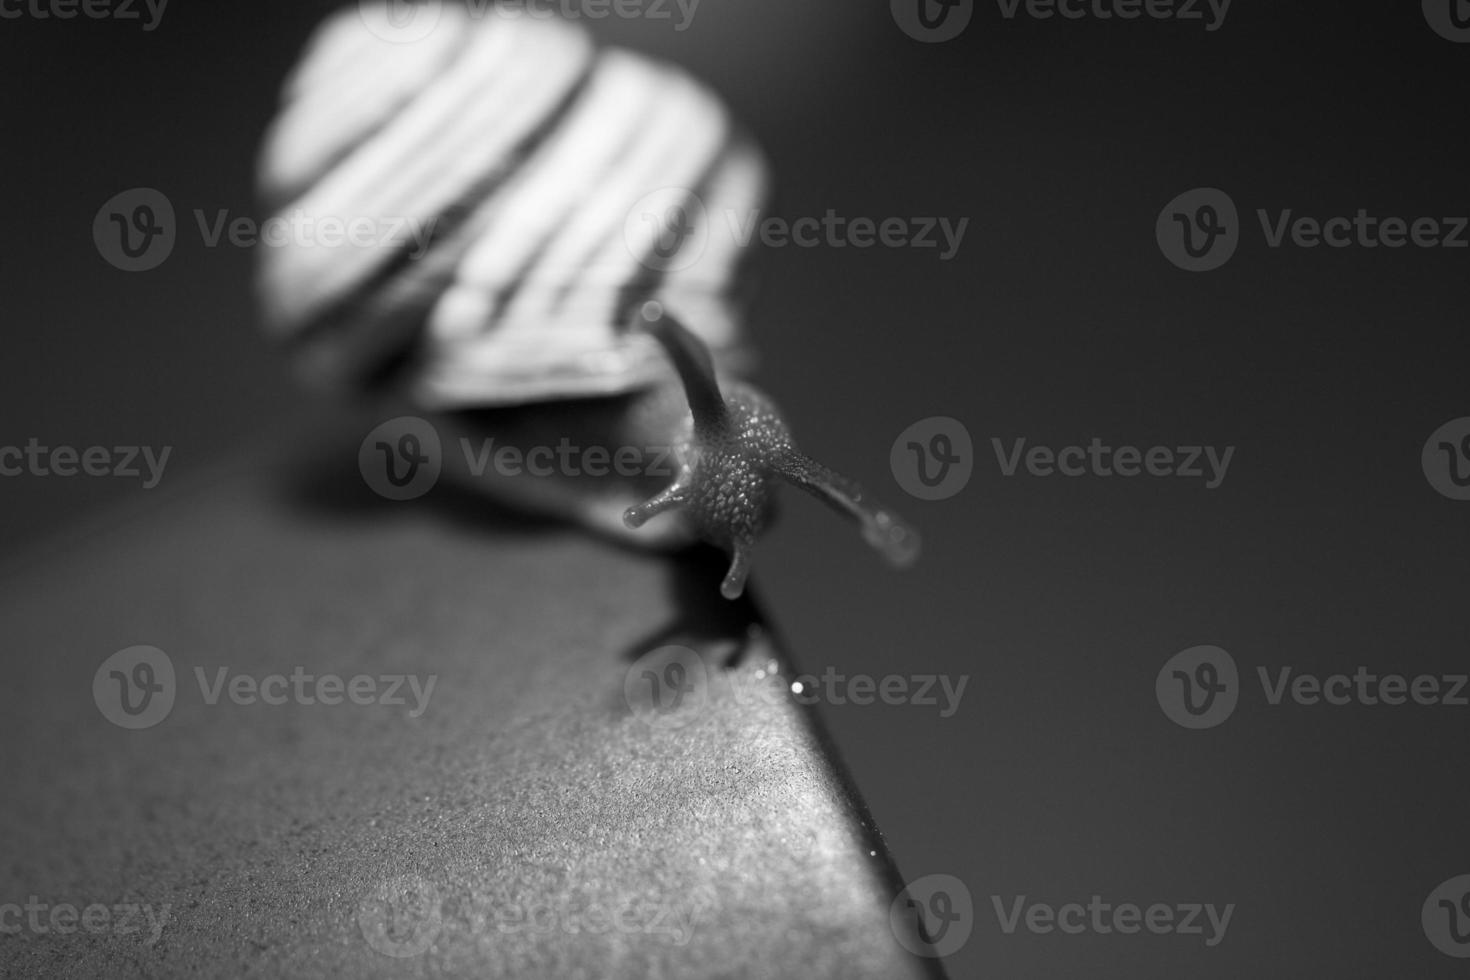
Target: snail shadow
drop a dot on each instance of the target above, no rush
(703, 619)
(704, 628)
(322, 480)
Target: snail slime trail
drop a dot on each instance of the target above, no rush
(575, 285)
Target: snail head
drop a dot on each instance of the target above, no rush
(739, 450)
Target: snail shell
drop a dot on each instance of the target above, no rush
(566, 276)
(544, 169)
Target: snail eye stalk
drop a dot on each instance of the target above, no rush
(740, 449)
(890, 535)
(692, 361)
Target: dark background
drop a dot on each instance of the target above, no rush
(1059, 320)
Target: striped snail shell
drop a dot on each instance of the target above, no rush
(529, 251)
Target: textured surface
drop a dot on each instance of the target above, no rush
(305, 839)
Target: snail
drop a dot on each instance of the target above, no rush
(530, 253)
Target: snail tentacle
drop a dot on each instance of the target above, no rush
(734, 583)
(893, 537)
(691, 360)
(639, 514)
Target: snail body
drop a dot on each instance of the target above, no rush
(565, 278)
